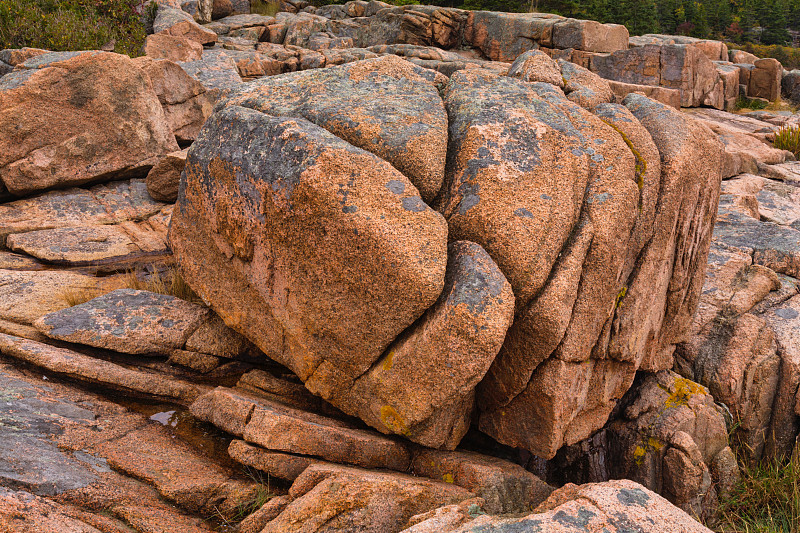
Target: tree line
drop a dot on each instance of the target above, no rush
(759, 21)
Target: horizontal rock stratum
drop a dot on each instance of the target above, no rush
(421, 251)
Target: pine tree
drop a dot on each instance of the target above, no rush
(774, 20)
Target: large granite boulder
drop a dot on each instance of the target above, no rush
(78, 117)
(319, 252)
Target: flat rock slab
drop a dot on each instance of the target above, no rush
(178, 472)
(89, 369)
(338, 498)
(128, 321)
(47, 434)
(275, 464)
(504, 486)
(25, 296)
(280, 428)
(102, 204)
(11, 261)
(774, 246)
(29, 456)
(92, 245)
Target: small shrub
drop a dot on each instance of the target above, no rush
(788, 138)
(62, 25)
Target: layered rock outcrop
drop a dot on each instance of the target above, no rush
(330, 260)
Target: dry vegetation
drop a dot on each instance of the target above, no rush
(170, 283)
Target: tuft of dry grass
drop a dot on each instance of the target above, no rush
(788, 138)
(766, 500)
(269, 8)
(170, 283)
(76, 296)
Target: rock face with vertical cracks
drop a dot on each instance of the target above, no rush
(621, 287)
(424, 386)
(578, 240)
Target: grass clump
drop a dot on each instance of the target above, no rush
(766, 500)
(268, 8)
(63, 25)
(788, 138)
(169, 282)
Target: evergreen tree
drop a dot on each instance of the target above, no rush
(640, 16)
(774, 21)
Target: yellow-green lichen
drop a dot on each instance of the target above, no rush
(648, 444)
(640, 166)
(620, 295)
(392, 420)
(682, 392)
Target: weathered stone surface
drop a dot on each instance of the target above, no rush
(765, 79)
(47, 107)
(614, 506)
(175, 22)
(261, 228)
(732, 351)
(185, 101)
(352, 102)
(165, 176)
(336, 498)
(15, 56)
(217, 70)
(281, 428)
(589, 35)
(584, 87)
(279, 465)
(110, 203)
(744, 150)
(423, 388)
(667, 438)
(84, 368)
(772, 245)
(675, 66)
(179, 473)
(164, 46)
(784, 320)
(572, 369)
(670, 97)
(11, 261)
(445, 518)
(534, 66)
(505, 36)
(505, 487)
(128, 321)
(92, 245)
(740, 56)
(25, 296)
